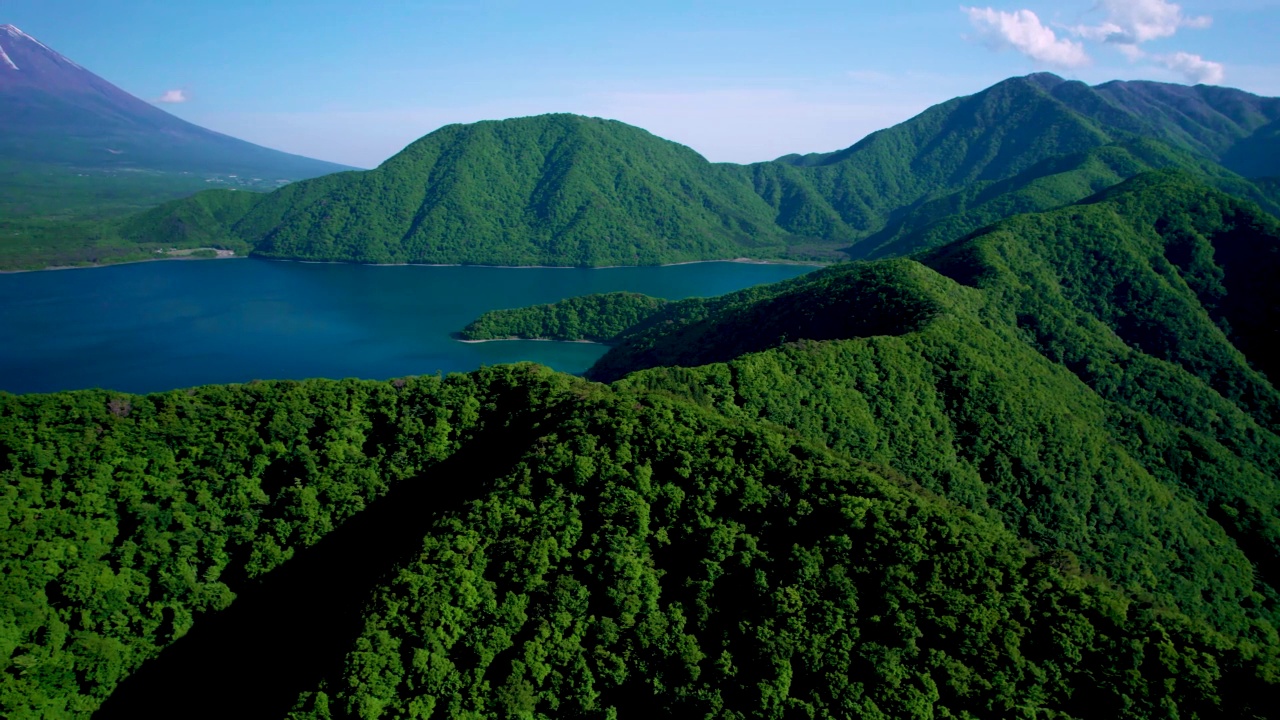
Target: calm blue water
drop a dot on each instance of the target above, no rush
(164, 325)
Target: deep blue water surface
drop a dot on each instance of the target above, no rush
(162, 325)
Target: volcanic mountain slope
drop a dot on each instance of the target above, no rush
(568, 190)
(57, 112)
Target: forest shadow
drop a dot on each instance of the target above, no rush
(289, 630)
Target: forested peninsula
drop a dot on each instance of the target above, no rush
(1032, 472)
(595, 318)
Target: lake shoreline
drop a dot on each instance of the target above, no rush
(185, 258)
(154, 327)
(747, 261)
(509, 339)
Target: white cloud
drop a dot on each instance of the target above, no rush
(1132, 22)
(1133, 52)
(173, 96)
(1022, 30)
(1193, 67)
(1126, 26)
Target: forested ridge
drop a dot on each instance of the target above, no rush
(1104, 326)
(1029, 473)
(631, 554)
(567, 190)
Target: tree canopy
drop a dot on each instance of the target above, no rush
(1029, 473)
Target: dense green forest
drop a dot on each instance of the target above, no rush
(575, 191)
(1031, 473)
(572, 550)
(38, 242)
(598, 318)
(1114, 327)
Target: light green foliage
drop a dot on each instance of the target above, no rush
(548, 190)
(1084, 390)
(598, 318)
(125, 518)
(198, 221)
(645, 558)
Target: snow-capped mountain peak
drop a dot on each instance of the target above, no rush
(55, 111)
(14, 43)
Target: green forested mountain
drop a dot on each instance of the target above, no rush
(1058, 181)
(516, 542)
(1031, 473)
(569, 190)
(1002, 133)
(1114, 327)
(555, 189)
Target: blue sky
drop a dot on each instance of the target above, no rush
(737, 81)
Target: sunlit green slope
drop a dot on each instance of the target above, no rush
(1077, 375)
(518, 542)
(548, 190)
(570, 190)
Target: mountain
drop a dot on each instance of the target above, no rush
(1052, 183)
(1032, 472)
(568, 190)
(59, 113)
(1008, 130)
(554, 189)
(1139, 320)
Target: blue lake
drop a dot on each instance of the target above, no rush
(162, 325)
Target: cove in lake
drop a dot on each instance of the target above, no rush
(157, 326)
